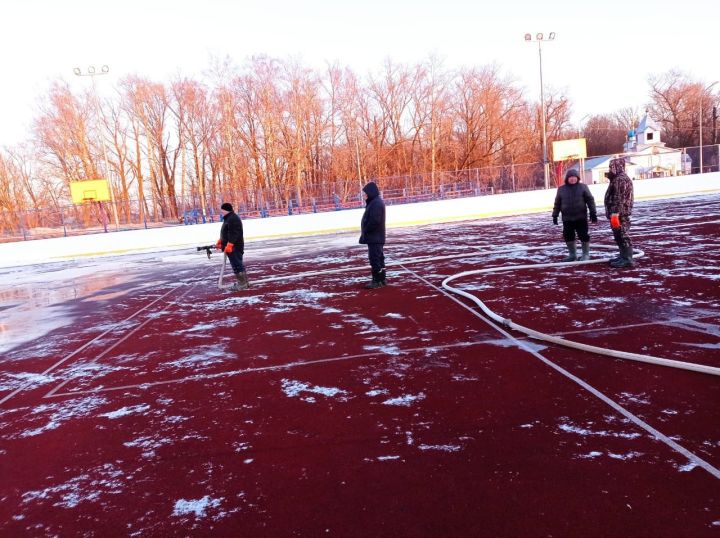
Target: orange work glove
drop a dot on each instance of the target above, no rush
(615, 221)
(218, 245)
(229, 248)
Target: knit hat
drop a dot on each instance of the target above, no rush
(226, 207)
(617, 166)
(572, 173)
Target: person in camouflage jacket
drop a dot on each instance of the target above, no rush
(619, 200)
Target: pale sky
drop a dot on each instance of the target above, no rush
(602, 55)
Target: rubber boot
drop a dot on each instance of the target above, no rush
(381, 276)
(242, 282)
(572, 250)
(617, 258)
(375, 282)
(626, 259)
(585, 251)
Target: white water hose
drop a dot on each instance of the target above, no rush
(561, 341)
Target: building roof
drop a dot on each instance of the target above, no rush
(647, 123)
(595, 162)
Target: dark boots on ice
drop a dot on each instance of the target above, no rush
(624, 260)
(378, 280)
(242, 282)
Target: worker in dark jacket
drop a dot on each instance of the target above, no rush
(232, 243)
(574, 200)
(372, 233)
(619, 200)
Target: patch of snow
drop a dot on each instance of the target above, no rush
(293, 388)
(197, 507)
(124, 411)
(63, 412)
(404, 400)
(569, 428)
(388, 350)
(442, 448)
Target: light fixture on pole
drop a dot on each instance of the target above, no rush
(92, 73)
(707, 88)
(540, 37)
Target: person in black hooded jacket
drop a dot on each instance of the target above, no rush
(574, 200)
(232, 243)
(372, 233)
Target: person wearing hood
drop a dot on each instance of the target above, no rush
(372, 233)
(232, 243)
(619, 200)
(574, 200)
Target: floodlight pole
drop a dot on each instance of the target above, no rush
(104, 70)
(539, 37)
(707, 88)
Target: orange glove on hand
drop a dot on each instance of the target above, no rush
(615, 221)
(229, 248)
(218, 245)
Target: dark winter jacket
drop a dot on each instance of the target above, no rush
(574, 201)
(619, 196)
(372, 226)
(232, 232)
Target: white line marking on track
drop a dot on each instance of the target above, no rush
(286, 366)
(89, 343)
(697, 460)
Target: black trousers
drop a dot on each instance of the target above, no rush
(376, 257)
(236, 261)
(579, 226)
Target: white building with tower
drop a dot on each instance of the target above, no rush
(646, 156)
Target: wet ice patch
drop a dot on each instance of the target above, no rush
(124, 411)
(196, 507)
(293, 388)
(520, 344)
(406, 400)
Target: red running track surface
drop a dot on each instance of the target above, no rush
(139, 400)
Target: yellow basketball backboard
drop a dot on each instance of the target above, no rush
(569, 149)
(93, 190)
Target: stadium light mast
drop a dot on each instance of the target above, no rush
(540, 38)
(707, 88)
(92, 73)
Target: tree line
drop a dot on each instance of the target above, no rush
(278, 130)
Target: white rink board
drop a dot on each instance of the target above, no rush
(183, 237)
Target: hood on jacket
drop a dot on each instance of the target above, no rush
(372, 191)
(617, 166)
(570, 173)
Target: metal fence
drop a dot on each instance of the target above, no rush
(91, 218)
(69, 219)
